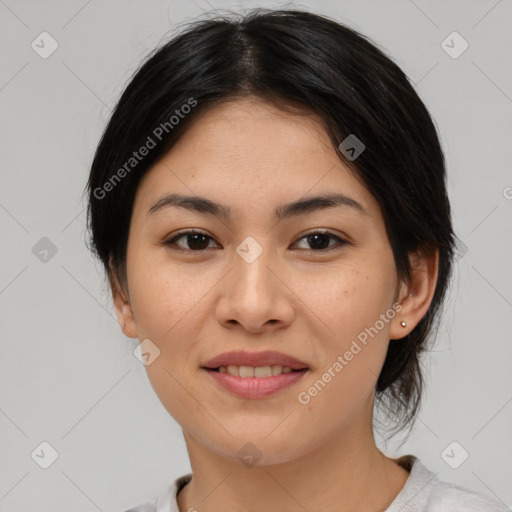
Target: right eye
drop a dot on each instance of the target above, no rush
(197, 241)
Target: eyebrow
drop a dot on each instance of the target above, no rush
(302, 206)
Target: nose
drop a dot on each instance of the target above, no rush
(255, 295)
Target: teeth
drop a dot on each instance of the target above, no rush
(251, 371)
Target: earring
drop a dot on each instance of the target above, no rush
(402, 323)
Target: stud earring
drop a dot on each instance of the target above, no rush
(402, 323)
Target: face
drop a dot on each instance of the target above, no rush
(307, 284)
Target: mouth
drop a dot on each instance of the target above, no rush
(249, 382)
(252, 375)
(254, 364)
(255, 371)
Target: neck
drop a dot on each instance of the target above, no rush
(346, 473)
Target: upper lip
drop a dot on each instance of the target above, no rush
(245, 358)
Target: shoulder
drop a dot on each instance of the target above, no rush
(166, 501)
(150, 506)
(447, 496)
(425, 492)
(146, 507)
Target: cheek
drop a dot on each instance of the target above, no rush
(352, 307)
(167, 308)
(352, 354)
(354, 300)
(165, 298)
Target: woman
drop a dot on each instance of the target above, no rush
(269, 203)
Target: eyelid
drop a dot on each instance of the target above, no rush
(170, 242)
(341, 239)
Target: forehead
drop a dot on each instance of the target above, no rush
(250, 126)
(247, 151)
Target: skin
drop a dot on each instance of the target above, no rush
(252, 157)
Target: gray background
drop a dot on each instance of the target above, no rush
(68, 375)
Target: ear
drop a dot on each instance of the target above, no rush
(122, 305)
(416, 295)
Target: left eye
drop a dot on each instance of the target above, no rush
(320, 240)
(198, 241)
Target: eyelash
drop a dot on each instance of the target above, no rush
(172, 242)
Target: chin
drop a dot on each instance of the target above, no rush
(259, 450)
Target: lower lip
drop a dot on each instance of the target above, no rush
(255, 387)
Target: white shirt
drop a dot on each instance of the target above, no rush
(422, 492)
